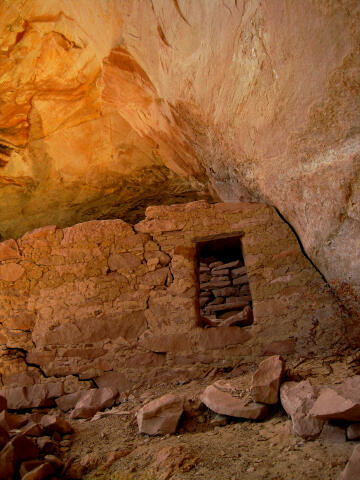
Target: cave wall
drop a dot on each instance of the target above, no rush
(104, 297)
(109, 106)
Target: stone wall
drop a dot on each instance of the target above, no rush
(107, 301)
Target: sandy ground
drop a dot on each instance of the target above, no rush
(208, 447)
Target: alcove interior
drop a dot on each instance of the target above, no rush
(224, 288)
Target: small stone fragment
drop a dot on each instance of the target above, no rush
(241, 319)
(55, 461)
(333, 434)
(353, 431)
(32, 429)
(161, 416)
(46, 445)
(266, 380)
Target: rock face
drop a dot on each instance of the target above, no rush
(160, 416)
(96, 125)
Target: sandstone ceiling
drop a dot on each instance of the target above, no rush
(107, 106)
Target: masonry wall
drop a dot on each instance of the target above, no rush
(107, 301)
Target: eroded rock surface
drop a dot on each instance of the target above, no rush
(109, 106)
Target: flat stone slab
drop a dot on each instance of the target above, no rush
(229, 306)
(225, 404)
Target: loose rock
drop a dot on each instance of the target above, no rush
(266, 380)
(160, 416)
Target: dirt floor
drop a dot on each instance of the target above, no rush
(208, 446)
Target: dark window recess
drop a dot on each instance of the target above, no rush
(225, 298)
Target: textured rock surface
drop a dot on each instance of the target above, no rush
(352, 469)
(104, 106)
(160, 416)
(340, 402)
(78, 311)
(266, 380)
(226, 404)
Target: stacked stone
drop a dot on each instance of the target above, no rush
(29, 445)
(225, 298)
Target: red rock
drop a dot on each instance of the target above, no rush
(225, 404)
(38, 395)
(333, 434)
(32, 429)
(29, 465)
(124, 262)
(353, 431)
(243, 302)
(240, 280)
(297, 400)
(160, 416)
(17, 450)
(40, 473)
(352, 469)
(165, 343)
(9, 250)
(234, 264)
(280, 347)
(54, 423)
(55, 461)
(156, 278)
(11, 272)
(219, 273)
(266, 380)
(341, 402)
(218, 263)
(4, 437)
(215, 284)
(47, 445)
(67, 402)
(216, 338)
(240, 319)
(116, 380)
(10, 421)
(3, 403)
(238, 272)
(226, 292)
(93, 401)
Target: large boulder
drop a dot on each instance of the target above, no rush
(161, 416)
(266, 380)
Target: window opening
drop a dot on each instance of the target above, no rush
(225, 297)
